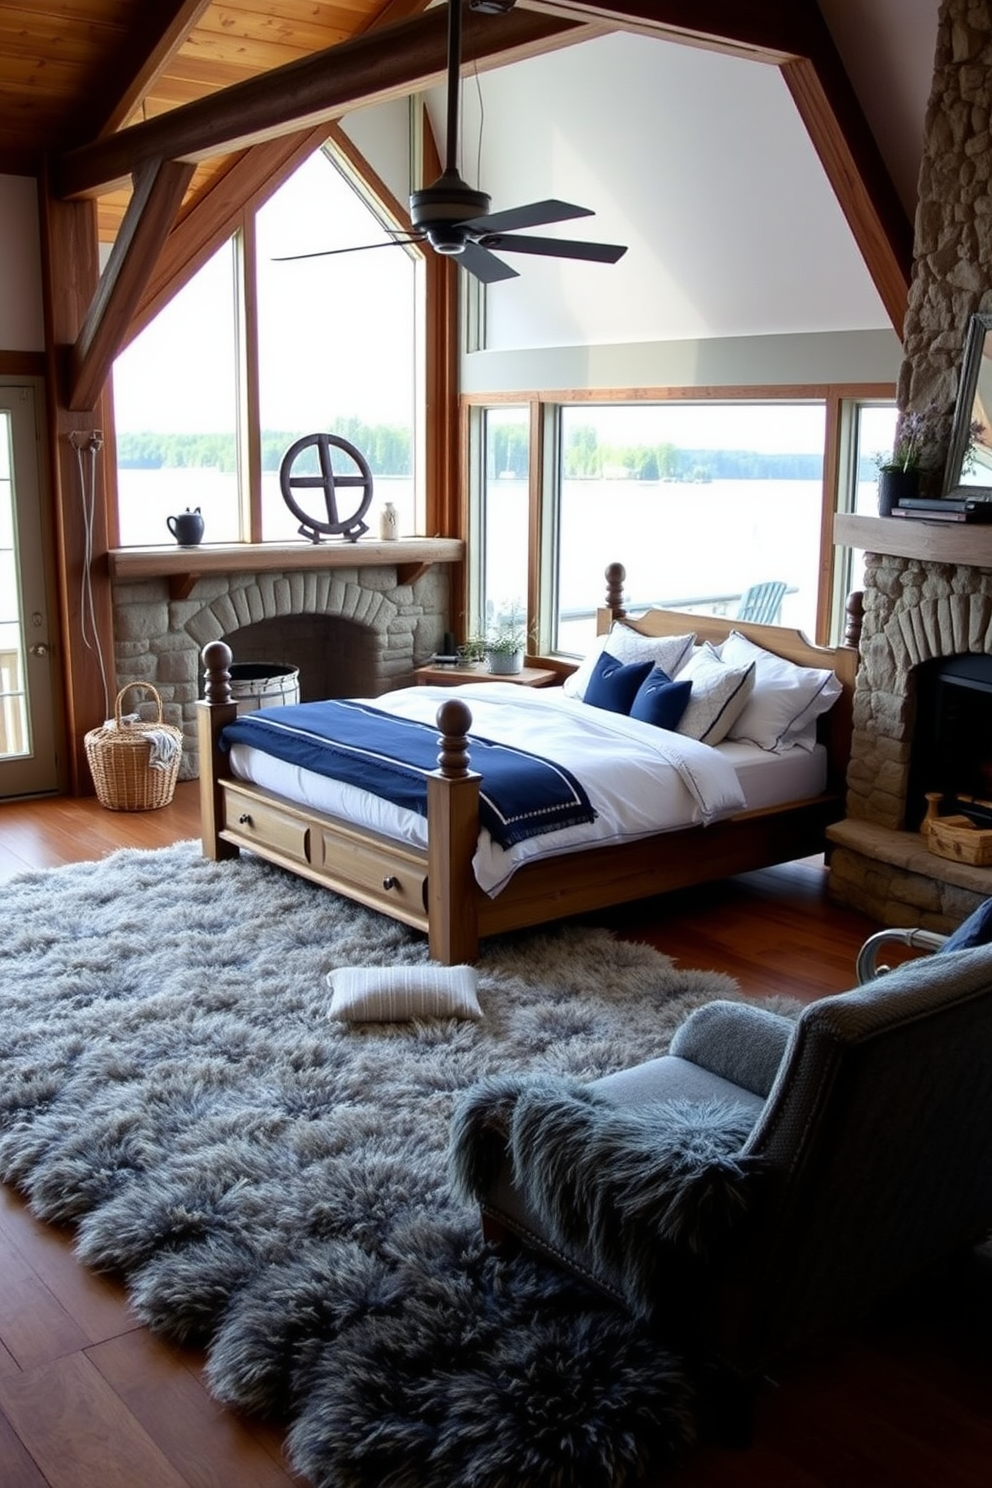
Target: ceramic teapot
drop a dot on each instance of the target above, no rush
(187, 528)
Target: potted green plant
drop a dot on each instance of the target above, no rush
(503, 642)
(506, 643)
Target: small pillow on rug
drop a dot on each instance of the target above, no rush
(395, 994)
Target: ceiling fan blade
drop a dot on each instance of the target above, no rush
(534, 214)
(397, 242)
(484, 265)
(554, 247)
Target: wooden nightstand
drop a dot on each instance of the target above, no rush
(455, 676)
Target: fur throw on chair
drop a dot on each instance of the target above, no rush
(618, 1186)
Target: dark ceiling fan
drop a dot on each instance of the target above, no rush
(456, 221)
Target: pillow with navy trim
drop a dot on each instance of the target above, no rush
(719, 694)
(613, 684)
(786, 701)
(661, 701)
(626, 645)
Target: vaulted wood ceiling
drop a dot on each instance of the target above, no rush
(73, 71)
(162, 100)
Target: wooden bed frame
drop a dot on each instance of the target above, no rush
(435, 891)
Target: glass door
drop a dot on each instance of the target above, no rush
(28, 764)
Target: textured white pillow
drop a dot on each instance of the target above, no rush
(395, 994)
(719, 694)
(667, 652)
(787, 699)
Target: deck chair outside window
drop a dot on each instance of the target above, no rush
(762, 602)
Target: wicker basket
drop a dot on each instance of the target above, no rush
(118, 754)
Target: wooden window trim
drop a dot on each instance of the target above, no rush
(831, 395)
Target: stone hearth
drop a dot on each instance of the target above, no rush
(915, 610)
(380, 628)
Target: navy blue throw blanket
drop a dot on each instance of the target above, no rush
(521, 795)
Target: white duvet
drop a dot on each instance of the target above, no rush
(639, 779)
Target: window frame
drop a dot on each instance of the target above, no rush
(435, 374)
(841, 402)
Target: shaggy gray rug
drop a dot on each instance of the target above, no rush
(274, 1185)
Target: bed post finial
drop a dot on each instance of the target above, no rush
(217, 676)
(615, 575)
(454, 720)
(854, 618)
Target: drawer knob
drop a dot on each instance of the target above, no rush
(244, 821)
(390, 882)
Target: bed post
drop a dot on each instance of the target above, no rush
(213, 712)
(452, 833)
(614, 607)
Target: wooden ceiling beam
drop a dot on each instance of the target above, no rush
(159, 188)
(765, 30)
(162, 30)
(131, 65)
(390, 62)
(206, 222)
(859, 177)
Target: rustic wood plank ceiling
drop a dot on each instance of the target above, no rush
(71, 70)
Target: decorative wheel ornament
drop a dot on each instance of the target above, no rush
(329, 482)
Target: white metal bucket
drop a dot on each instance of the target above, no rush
(263, 684)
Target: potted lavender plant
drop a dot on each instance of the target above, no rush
(899, 472)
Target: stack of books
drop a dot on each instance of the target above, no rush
(946, 509)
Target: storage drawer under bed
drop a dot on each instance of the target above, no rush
(364, 866)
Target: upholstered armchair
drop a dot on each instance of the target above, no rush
(769, 1175)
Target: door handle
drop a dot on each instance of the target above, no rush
(40, 648)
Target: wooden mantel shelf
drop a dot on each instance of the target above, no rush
(410, 556)
(968, 543)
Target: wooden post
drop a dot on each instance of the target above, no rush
(214, 711)
(854, 618)
(70, 264)
(452, 834)
(614, 607)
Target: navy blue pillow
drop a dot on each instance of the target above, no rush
(661, 701)
(976, 930)
(613, 685)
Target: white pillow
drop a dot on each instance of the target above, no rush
(394, 994)
(719, 694)
(626, 645)
(787, 699)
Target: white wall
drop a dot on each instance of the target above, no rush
(699, 163)
(741, 361)
(740, 267)
(382, 134)
(21, 317)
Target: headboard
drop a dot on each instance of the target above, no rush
(833, 728)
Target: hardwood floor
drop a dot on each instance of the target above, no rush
(89, 1399)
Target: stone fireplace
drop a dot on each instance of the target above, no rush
(917, 611)
(928, 589)
(354, 623)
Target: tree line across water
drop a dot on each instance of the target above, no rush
(388, 448)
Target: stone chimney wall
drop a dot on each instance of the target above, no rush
(952, 269)
(916, 610)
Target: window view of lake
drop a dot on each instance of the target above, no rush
(681, 544)
(147, 498)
